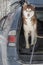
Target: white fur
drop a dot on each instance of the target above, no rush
(29, 27)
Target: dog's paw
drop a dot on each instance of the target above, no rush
(27, 46)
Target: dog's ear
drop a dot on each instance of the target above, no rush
(33, 6)
(24, 5)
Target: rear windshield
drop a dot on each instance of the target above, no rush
(38, 3)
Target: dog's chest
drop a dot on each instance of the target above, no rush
(28, 25)
(28, 22)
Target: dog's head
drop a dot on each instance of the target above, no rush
(28, 10)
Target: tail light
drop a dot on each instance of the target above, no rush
(12, 39)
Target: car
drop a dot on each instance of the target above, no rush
(17, 53)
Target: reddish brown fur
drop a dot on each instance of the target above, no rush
(34, 20)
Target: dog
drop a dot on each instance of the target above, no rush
(29, 24)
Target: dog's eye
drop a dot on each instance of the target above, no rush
(27, 10)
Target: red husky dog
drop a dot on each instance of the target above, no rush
(29, 24)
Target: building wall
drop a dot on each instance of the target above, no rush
(4, 7)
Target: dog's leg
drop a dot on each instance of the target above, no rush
(26, 39)
(32, 37)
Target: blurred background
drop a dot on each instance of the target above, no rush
(5, 7)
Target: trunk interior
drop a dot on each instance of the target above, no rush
(24, 53)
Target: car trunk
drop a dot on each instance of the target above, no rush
(25, 54)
